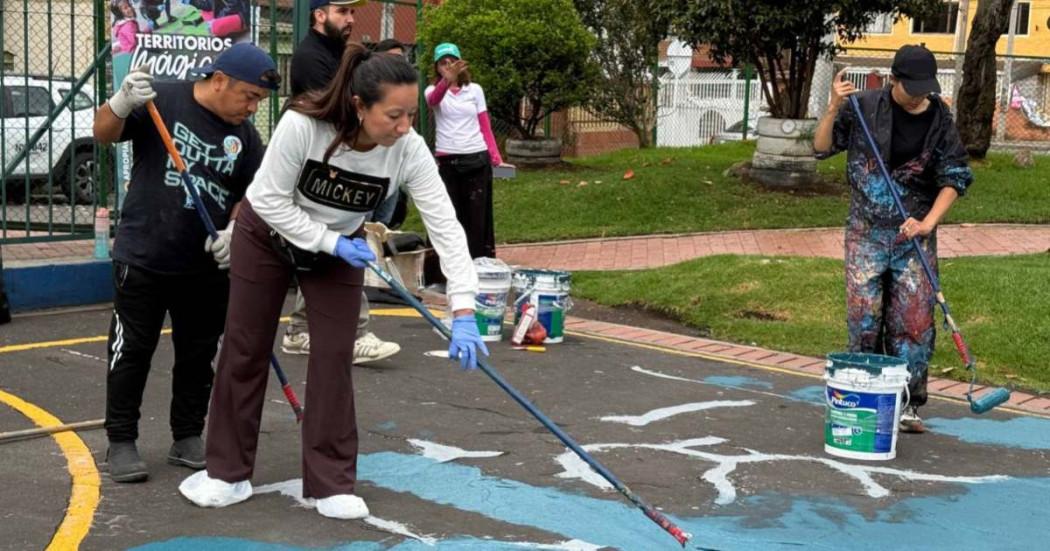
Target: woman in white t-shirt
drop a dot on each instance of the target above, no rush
(332, 160)
(465, 147)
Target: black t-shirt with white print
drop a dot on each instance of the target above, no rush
(159, 229)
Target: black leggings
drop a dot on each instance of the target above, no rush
(468, 179)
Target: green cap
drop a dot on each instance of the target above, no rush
(446, 48)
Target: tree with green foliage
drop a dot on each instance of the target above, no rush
(976, 100)
(536, 50)
(782, 39)
(629, 34)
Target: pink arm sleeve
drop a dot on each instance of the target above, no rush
(438, 93)
(490, 140)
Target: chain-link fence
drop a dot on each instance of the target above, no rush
(53, 173)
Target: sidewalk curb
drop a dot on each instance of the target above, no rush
(762, 358)
(59, 284)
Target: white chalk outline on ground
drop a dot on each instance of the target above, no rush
(664, 413)
(718, 475)
(443, 454)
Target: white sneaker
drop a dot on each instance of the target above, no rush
(369, 348)
(205, 491)
(296, 343)
(342, 506)
(911, 422)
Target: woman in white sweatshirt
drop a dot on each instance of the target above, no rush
(333, 158)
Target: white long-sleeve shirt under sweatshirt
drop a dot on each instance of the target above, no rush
(311, 204)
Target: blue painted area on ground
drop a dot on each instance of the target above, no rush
(991, 515)
(1029, 433)
(737, 382)
(57, 285)
(811, 394)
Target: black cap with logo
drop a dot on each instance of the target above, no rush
(916, 69)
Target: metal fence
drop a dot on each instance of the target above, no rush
(700, 108)
(52, 171)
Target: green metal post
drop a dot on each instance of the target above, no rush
(420, 55)
(105, 176)
(274, 99)
(747, 97)
(300, 21)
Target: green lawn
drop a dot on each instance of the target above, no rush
(798, 305)
(683, 190)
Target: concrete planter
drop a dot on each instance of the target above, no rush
(784, 152)
(534, 152)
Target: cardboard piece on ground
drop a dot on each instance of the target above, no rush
(406, 268)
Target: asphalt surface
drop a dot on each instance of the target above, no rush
(733, 454)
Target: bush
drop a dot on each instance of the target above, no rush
(537, 50)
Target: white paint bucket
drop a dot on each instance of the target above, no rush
(864, 397)
(490, 303)
(548, 291)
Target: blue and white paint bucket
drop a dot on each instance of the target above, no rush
(548, 291)
(864, 398)
(490, 303)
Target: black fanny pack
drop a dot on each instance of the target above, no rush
(301, 259)
(465, 163)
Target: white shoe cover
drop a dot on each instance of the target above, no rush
(205, 491)
(342, 506)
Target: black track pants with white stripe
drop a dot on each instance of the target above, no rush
(197, 306)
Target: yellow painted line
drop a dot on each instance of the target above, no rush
(382, 312)
(83, 499)
(729, 360)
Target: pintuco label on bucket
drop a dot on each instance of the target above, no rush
(859, 421)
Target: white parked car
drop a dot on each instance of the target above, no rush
(735, 132)
(66, 152)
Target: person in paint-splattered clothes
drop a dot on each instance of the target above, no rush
(889, 300)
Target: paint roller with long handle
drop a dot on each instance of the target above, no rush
(198, 205)
(995, 397)
(649, 511)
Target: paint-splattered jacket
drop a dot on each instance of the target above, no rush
(943, 161)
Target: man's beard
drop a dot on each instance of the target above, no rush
(335, 33)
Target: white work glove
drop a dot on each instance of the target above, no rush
(135, 91)
(220, 248)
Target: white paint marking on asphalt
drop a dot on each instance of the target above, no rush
(664, 413)
(644, 371)
(400, 529)
(718, 476)
(436, 354)
(443, 454)
(294, 489)
(83, 355)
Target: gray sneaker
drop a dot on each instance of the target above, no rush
(188, 452)
(125, 464)
(296, 343)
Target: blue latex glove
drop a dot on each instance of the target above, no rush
(354, 251)
(466, 341)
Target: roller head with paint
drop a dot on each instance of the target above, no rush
(989, 401)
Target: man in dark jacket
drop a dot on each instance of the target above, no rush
(889, 301)
(317, 57)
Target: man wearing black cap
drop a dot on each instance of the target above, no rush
(889, 300)
(314, 63)
(163, 260)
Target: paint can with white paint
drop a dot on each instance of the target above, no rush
(548, 291)
(864, 397)
(490, 303)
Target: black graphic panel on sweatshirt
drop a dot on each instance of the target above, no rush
(341, 189)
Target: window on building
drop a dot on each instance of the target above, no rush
(882, 24)
(941, 21)
(1023, 12)
(9, 61)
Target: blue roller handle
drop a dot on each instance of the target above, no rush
(993, 398)
(652, 513)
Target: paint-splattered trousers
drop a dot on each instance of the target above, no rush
(889, 300)
(468, 179)
(259, 279)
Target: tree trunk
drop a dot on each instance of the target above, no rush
(976, 101)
